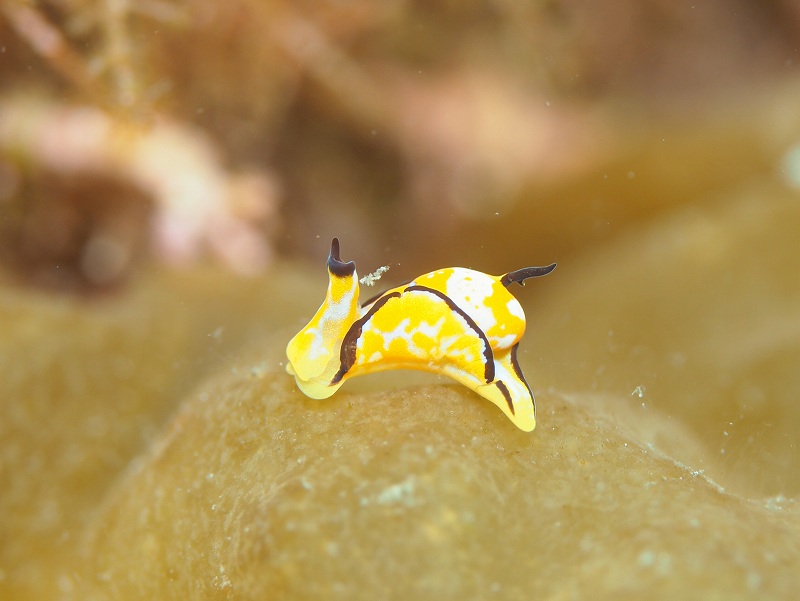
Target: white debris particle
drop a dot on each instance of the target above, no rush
(222, 581)
(332, 548)
(753, 580)
(402, 492)
(258, 371)
(371, 278)
(639, 391)
(775, 503)
(646, 558)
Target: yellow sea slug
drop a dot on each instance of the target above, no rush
(458, 322)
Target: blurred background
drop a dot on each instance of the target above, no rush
(650, 147)
(494, 134)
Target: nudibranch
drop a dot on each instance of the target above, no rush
(458, 322)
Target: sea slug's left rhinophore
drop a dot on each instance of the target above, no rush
(458, 322)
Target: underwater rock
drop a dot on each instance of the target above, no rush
(425, 492)
(87, 385)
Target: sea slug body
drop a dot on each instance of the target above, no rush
(458, 322)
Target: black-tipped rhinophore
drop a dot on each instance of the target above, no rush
(520, 275)
(335, 264)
